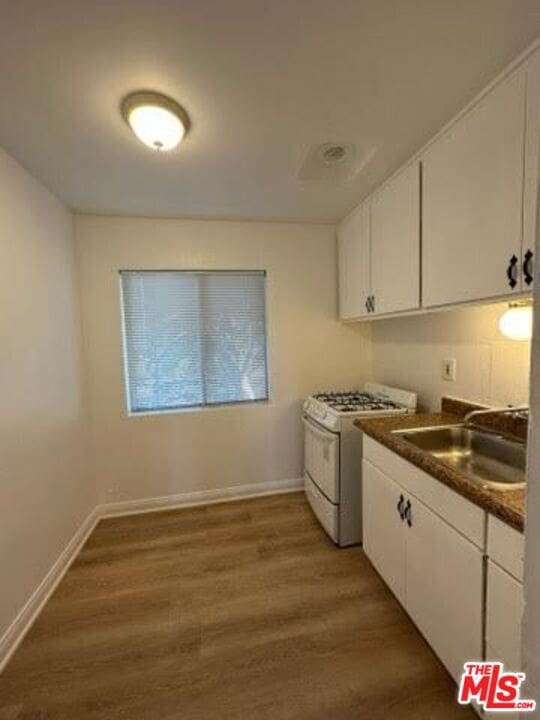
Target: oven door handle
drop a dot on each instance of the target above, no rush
(325, 435)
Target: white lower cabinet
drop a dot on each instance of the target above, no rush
(428, 543)
(383, 528)
(504, 593)
(435, 571)
(504, 612)
(444, 593)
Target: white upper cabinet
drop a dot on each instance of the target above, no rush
(458, 224)
(473, 200)
(354, 263)
(395, 243)
(379, 251)
(531, 213)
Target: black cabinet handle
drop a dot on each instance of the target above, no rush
(373, 303)
(511, 272)
(400, 507)
(528, 267)
(407, 513)
(367, 306)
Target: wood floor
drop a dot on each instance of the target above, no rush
(237, 611)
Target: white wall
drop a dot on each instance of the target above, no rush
(409, 352)
(152, 456)
(44, 490)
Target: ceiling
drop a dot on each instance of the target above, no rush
(263, 80)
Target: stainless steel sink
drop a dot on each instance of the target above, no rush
(487, 458)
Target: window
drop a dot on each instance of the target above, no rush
(193, 338)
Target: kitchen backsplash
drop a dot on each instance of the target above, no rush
(409, 353)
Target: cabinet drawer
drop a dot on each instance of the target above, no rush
(506, 546)
(504, 613)
(326, 512)
(463, 515)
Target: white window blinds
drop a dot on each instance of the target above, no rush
(193, 338)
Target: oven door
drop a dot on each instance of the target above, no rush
(321, 458)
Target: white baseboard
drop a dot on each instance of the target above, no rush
(199, 497)
(15, 633)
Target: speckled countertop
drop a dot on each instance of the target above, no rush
(508, 505)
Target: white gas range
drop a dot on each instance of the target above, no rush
(333, 453)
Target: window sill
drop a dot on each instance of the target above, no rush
(200, 408)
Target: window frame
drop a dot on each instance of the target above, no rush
(201, 407)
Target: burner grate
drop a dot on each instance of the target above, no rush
(355, 401)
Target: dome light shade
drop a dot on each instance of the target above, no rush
(157, 120)
(516, 323)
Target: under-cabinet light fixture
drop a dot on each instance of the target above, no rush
(516, 323)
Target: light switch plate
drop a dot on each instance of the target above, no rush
(449, 369)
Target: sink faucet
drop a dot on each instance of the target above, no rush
(521, 412)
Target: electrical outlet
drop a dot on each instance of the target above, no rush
(449, 369)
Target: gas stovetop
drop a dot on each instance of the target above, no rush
(355, 401)
(337, 410)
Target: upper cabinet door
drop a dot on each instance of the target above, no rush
(395, 243)
(531, 209)
(354, 263)
(472, 193)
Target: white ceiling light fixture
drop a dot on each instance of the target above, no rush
(516, 323)
(158, 121)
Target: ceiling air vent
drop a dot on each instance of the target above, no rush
(333, 153)
(333, 162)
